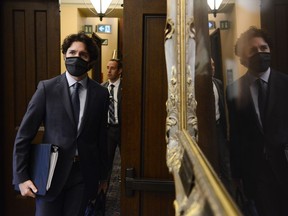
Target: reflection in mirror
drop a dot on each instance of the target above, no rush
(235, 18)
(223, 35)
(232, 19)
(198, 189)
(251, 104)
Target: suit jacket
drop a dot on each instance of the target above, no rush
(254, 150)
(51, 106)
(219, 87)
(119, 98)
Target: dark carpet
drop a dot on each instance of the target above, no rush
(113, 193)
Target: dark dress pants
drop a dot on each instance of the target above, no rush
(72, 200)
(224, 158)
(271, 196)
(113, 139)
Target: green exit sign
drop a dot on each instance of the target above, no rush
(104, 29)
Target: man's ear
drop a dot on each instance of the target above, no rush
(64, 57)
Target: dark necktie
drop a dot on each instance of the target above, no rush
(76, 101)
(262, 96)
(111, 110)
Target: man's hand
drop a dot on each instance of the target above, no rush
(27, 188)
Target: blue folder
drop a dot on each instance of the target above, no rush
(43, 159)
(40, 166)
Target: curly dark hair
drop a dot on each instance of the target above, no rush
(81, 37)
(248, 35)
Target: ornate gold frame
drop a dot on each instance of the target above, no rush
(198, 189)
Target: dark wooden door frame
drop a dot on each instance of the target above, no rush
(143, 147)
(216, 53)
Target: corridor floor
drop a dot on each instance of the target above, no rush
(113, 193)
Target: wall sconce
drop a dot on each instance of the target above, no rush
(214, 5)
(101, 7)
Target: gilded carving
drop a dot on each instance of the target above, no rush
(191, 103)
(174, 153)
(169, 29)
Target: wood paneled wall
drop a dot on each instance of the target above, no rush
(31, 52)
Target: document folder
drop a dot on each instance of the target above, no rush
(42, 165)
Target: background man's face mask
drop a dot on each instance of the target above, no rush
(76, 66)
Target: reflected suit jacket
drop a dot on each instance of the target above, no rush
(51, 107)
(253, 147)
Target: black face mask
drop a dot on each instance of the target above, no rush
(76, 66)
(259, 62)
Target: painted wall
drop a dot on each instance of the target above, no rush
(107, 50)
(72, 21)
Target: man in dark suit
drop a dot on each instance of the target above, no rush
(82, 162)
(221, 130)
(114, 72)
(259, 130)
(114, 86)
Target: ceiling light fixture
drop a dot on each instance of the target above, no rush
(101, 7)
(214, 5)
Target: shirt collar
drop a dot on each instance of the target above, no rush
(71, 81)
(264, 76)
(116, 83)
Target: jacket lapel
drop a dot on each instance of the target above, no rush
(65, 96)
(272, 85)
(250, 103)
(119, 95)
(90, 94)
